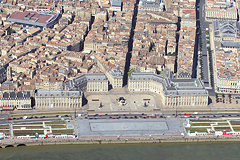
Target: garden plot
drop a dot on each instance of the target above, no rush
(211, 126)
(55, 128)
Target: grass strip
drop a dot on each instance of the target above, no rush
(4, 126)
(53, 123)
(58, 126)
(27, 132)
(200, 124)
(65, 131)
(228, 129)
(193, 130)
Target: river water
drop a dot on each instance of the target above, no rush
(166, 151)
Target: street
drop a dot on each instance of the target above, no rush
(204, 53)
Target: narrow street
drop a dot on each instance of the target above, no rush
(195, 54)
(130, 44)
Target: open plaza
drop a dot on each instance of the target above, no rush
(133, 127)
(122, 102)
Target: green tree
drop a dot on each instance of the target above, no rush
(130, 72)
(10, 31)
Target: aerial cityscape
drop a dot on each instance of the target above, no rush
(125, 71)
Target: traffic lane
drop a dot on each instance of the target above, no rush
(122, 116)
(196, 116)
(171, 113)
(3, 122)
(37, 117)
(181, 115)
(210, 116)
(31, 121)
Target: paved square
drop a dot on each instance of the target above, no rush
(120, 127)
(130, 126)
(134, 102)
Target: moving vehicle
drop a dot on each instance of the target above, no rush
(25, 117)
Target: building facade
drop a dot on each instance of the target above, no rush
(97, 82)
(55, 100)
(220, 10)
(173, 92)
(15, 100)
(151, 5)
(115, 78)
(225, 44)
(49, 85)
(116, 5)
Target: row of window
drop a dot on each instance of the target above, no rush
(58, 105)
(221, 14)
(187, 103)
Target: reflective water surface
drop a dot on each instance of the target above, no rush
(167, 151)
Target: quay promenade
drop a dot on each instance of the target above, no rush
(16, 142)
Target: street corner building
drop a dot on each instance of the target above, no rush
(15, 100)
(173, 92)
(35, 18)
(54, 100)
(221, 10)
(225, 40)
(96, 82)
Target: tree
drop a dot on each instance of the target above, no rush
(171, 54)
(130, 72)
(10, 31)
(111, 58)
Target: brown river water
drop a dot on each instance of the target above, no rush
(164, 151)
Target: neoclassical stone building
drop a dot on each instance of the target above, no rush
(221, 10)
(18, 100)
(97, 82)
(174, 92)
(225, 45)
(71, 97)
(47, 100)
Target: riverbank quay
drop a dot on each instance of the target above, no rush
(16, 142)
